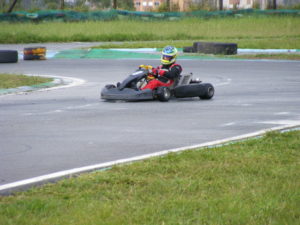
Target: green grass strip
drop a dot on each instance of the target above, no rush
(255, 43)
(252, 182)
(15, 80)
(288, 56)
(248, 32)
(104, 54)
(114, 54)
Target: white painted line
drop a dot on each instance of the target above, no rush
(226, 82)
(60, 110)
(267, 50)
(69, 81)
(228, 124)
(282, 122)
(66, 173)
(282, 113)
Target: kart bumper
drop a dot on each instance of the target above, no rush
(126, 94)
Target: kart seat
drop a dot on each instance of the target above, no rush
(182, 80)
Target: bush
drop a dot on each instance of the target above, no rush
(204, 5)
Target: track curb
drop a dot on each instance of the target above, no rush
(23, 89)
(57, 83)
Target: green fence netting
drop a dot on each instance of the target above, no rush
(59, 15)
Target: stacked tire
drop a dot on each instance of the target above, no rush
(8, 56)
(216, 48)
(36, 53)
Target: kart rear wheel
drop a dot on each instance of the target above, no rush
(209, 92)
(163, 94)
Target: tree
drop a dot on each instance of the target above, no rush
(274, 4)
(220, 4)
(62, 4)
(125, 4)
(168, 5)
(12, 6)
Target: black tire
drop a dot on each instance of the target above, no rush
(163, 94)
(208, 92)
(34, 57)
(8, 56)
(188, 91)
(215, 48)
(188, 49)
(34, 51)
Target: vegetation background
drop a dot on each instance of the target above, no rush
(83, 5)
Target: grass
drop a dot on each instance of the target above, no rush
(281, 56)
(268, 56)
(252, 182)
(14, 80)
(248, 32)
(186, 43)
(181, 44)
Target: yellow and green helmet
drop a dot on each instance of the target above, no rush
(168, 55)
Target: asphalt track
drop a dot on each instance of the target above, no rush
(49, 131)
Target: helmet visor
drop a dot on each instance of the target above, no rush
(167, 57)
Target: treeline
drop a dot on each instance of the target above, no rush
(94, 5)
(77, 5)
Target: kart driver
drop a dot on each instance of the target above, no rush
(166, 73)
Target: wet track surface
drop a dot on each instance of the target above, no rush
(49, 131)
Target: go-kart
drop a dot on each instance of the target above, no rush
(130, 88)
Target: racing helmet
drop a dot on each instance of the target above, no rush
(168, 55)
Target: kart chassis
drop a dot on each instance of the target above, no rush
(130, 89)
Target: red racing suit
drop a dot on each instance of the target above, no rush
(166, 74)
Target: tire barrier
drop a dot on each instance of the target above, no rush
(215, 48)
(36, 53)
(8, 56)
(188, 49)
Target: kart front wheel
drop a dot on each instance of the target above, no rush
(163, 94)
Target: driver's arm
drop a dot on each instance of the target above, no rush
(173, 73)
